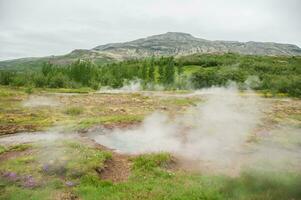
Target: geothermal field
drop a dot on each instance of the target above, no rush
(216, 143)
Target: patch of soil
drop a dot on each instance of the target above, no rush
(66, 196)
(109, 127)
(13, 128)
(14, 154)
(121, 125)
(117, 169)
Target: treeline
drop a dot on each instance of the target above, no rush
(267, 73)
(84, 73)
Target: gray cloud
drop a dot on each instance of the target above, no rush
(51, 27)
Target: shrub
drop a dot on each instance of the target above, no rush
(58, 81)
(20, 80)
(40, 80)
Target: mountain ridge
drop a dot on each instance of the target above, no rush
(167, 44)
(177, 43)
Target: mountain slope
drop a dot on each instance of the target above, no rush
(173, 43)
(168, 44)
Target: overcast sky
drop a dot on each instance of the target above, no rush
(53, 27)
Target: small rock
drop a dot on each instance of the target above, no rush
(70, 183)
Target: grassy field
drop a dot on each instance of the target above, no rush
(72, 166)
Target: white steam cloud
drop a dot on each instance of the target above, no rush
(213, 133)
(132, 86)
(40, 101)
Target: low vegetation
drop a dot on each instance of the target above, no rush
(50, 170)
(151, 180)
(265, 73)
(74, 111)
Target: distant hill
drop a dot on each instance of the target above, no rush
(168, 44)
(173, 43)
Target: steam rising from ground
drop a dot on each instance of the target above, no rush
(135, 85)
(214, 133)
(48, 136)
(38, 101)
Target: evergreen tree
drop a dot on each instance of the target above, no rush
(151, 72)
(180, 68)
(144, 72)
(170, 72)
(161, 71)
(47, 68)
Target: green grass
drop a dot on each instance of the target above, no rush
(187, 187)
(82, 90)
(7, 91)
(74, 111)
(145, 184)
(181, 101)
(21, 165)
(110, 119)
(157, 188)
(263, 186)
(190, 69)
(18, 147)
(51, 165)
(296, 117)
(150, 162)
(2, 149)
(13, 192)
(151, 179)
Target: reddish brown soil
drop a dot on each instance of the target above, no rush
(66, 196)
(116, 169)
(13, 128)
(14, 154)
(122, 125)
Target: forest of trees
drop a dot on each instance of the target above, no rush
(84, 73)
(273, 74)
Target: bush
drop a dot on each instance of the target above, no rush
(95, 85)
(6, 77)
(58, 81)
(20, 80)
(40, 80)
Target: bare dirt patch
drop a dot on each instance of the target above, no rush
(15, 154)
(14, 128)
(117, 169)
(66, 196)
